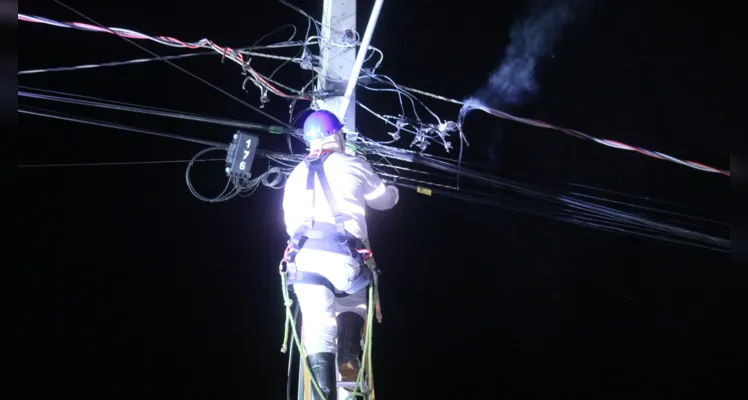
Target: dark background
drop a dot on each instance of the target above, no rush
(130, 286)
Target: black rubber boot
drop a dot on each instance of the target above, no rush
(323, 370)
(350, 330)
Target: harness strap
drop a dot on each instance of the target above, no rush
(306, 230)
(311, 278)
(319, 234)
(317, 168)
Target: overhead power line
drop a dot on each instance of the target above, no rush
(554, 203)
(565, 208)
(400, 123)
(114, 164)
(145, 60)
(241, 124)
(124, 35)
(477, 105)
(162, 113)
(114, 63)
(127, 34)
(123, 127)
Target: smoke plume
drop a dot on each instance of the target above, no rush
(530, 39)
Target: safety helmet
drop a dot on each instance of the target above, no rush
(321, 124)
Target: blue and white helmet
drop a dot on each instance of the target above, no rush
(321, 124)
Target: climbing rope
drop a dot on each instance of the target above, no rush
(287, 302)
(366, 362)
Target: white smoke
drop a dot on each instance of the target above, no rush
(530, 39)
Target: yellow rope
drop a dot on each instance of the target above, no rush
(366, 362)
(366, 359)
(290, 321)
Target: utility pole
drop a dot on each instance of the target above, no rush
(340, 64)
(337, 56)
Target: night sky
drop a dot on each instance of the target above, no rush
(131, 287)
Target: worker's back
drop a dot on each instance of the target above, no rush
(353, 183)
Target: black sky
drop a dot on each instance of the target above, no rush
(130, 286)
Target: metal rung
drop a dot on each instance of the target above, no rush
(350, 385)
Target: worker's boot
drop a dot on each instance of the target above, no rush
(350, 329)
(323, 371)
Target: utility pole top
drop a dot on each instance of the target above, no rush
(338, 56)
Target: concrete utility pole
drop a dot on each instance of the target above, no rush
(337, 56)
(340, 65)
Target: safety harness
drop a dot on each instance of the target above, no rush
(324, 236)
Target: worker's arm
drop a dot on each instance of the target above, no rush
(378, 195)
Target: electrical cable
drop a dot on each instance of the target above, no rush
(574, 186)
(221, 197)
(112, 125)
(565, 200)
(176, 42)
(263, 37)
(119, 127)
(583, 218)
(289, 40)
(724, 224)
(473, 104)
(144, 60)
(302, 12)
(220, 121)
(571, 204)
(468, 105)
(115, 63)
(214, 146)
(163, 113)
(126, 34)
(240, 186)
(396, 88)
(117, 163)
(247, 186)
(522, 207)
(569, 218)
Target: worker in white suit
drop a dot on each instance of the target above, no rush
(324, 206)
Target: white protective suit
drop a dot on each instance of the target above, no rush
(354, 185)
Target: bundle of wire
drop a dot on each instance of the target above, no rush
(226, 52)
(560, 204)
(396, 165)
(423, 133)
(572, 209)
(474, 104)
(273, 178)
